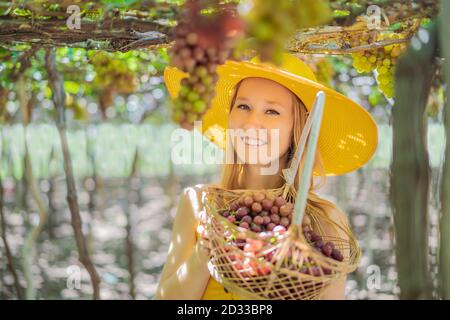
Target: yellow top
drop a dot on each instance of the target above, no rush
(216, 291)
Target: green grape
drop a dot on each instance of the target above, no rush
(192, 96)
(199, 106)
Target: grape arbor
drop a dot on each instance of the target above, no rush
(198, 36)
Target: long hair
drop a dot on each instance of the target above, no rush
(232, 171)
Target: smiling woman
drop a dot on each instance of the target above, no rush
(265, 119)
(258, 99)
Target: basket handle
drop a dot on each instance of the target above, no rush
(289, 173)
(313, 126)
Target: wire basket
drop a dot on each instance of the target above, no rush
(284, 264)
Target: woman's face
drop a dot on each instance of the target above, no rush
(261, 104)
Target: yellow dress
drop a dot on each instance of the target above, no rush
(215, 291)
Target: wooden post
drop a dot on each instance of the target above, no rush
(59, 98)
(8, 253)
(410, 170)
(35, 230)
(444, 223)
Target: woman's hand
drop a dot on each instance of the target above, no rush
(203, 245)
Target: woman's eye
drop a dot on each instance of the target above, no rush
(243, 107)
(272, 111)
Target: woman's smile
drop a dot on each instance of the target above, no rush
(253, 142)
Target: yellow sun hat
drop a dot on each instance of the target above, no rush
(348, 135)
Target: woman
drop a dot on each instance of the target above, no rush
(260, 96)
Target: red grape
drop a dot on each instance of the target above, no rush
(315, 271)
(318, 244)
(275, 218)
(266, 220)
(285, 210)
(279, 201)
(270, 226)
(258, 220)
(255, 228)
(315, 237)
(256, 207)
(259, 197)
(326, 249)
(326, 270)
(307, 234)
(244, 224)
(267, 204)
(284, 221)
(264, 213)
(234, 206)
(248, 201)
(337, 255)
(247, 219)
(242, 211)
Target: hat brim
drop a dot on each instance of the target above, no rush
(348, 135)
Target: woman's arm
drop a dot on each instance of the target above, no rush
(185, 273)
(336, 291)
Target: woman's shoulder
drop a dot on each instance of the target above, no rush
(329, 207)
(194, 196)
(199, 189)
(196, 190)
(338, 216)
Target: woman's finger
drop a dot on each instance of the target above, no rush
(203, 216)
(201, 230)
(204, 246)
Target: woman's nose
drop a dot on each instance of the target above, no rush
(254, 121)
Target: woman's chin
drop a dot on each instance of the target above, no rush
(255, 159)
(255, 154)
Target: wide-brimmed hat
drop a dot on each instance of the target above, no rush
(348, 135)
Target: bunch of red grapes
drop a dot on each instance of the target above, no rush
(260, 212)
(202, 42)
(271, 216)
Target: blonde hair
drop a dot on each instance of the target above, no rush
(232, 171)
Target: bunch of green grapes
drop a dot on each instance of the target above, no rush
(201, 44)
(79, 113)
(386, 69)
(383, 60)
(197, 90)
(365, 61)
(113, 72)
(270, 23)
(112, 76)
(324, 71)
